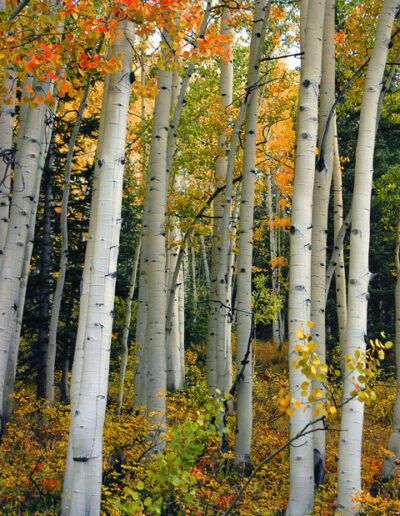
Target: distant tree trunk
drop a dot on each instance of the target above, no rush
(58, 294)
(88, 409)
(301, 497)
(127, 325)
(205, 262)
(274, 253)
(349, 467)
(244, 420)
(340, 271)
(388, 468)
(45, 279)
(321, 193)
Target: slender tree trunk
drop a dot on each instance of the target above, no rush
(273, 251)
(340, 271)
(349, 468)
(244, 420)
(155, 333)
(301, 497)
(58, 294)
(218, 313)
(322, 186)
(89, 408)
(45, 279)
(205, 262)
(127, 325)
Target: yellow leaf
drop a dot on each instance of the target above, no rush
(289, 412)
(310, 324)
(315, 412)
(297, 404)
(304, 385)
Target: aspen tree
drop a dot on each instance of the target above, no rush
(322, 185)
(244, 421)
(216, 347)
(157, 289)
(82, 488)
(349, 467)
(301, 456)
(27, 171)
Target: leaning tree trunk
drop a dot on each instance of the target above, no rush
(349, 468)
(87, 419)
(322, 186)
(301, 495)
(244, 420)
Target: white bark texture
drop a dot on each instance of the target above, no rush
(218, 314)
(322, 185)
(349, 467)
(27, 172)
(155, 333)
(301, 494)
(173, 329)
(55, 311)
(91, 393)
(244, 420)
(7, 112)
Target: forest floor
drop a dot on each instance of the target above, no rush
(192, 477)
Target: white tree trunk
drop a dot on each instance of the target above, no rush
(205, 262)
(7, 113)
(322, 185)
(216, 338)
(27, 174)
(301, 495)
(349, 467)
(91, 390)
(155, 334)
(244, 420)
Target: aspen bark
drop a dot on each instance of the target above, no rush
(7, 112)
(322, 185)
(301, 494)
(244, 420)
(155, 333)
(27, 171)
(205, 262)
(349, 467)
(91, 392)
(216, 338)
